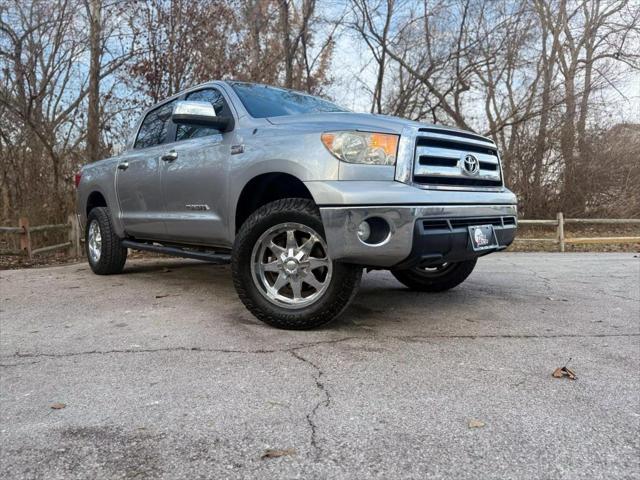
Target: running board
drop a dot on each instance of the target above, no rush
(217, 258)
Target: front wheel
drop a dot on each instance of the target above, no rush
(435, 279)
(282, 270)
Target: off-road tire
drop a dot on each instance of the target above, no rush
(112, 256)
(415, 280)
(343, 285)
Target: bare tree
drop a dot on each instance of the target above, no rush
(94, 15)
(540, 77)
(44, 91)
(363, 23)
(523, 72)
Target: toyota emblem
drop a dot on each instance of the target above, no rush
(471, 165)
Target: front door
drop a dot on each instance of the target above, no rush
(138, 177)
(194, 180)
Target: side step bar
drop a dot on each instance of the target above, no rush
(217, 258)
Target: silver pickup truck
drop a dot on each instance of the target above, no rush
(299, 195)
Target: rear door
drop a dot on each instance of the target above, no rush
(194, 182)
(138, 176)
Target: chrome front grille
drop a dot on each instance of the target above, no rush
(456, 159)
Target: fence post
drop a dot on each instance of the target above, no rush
(25, 236)
(74, 236)
(561, 231)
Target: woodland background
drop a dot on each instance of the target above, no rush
(556, 83)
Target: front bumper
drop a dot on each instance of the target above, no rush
(418, 235)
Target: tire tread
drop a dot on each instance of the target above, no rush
(347, 277)
(113, 255)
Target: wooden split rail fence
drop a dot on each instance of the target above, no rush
(24, 230)
(561, 240)
(74, 243)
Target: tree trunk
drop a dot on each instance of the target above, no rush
(94, 13)
(286, 39)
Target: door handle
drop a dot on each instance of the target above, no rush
(170, 156)
(123, 166)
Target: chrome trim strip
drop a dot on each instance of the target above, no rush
(405, 158)
(456, 139)
(447, 133)
(460, 188)
(454, 172)
(422, 151)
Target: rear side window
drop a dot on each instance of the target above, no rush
(215, 98)
(155, 127)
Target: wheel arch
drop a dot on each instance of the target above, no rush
(265, 188)
(95, 199)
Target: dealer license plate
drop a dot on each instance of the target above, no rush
(483, 237)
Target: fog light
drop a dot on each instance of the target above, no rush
(364, 231)
(374, 231)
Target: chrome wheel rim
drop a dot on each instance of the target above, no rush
(290, 265)
(94, 241)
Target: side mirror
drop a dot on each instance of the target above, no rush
(199, 113)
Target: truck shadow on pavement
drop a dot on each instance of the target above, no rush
(381, 300)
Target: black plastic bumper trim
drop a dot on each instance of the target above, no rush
(436, 246)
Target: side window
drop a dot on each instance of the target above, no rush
(155, 127)
(213, 96)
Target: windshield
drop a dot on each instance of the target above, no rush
(263, 101)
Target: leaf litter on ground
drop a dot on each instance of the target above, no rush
(475, 423)
(564, 371)
(275, 453)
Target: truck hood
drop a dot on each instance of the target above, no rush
(354, 121)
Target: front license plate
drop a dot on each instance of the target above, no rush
(483, 237)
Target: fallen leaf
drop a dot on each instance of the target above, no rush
(564, 372)
(275, 453)
(475, 423)
(58, 406)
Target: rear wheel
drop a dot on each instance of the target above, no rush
(282, 270)
(435, 279)
(104, 251)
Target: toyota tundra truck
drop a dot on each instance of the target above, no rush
(299, 195)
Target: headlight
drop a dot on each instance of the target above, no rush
(362, 147)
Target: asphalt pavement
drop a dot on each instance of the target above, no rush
(161, 373)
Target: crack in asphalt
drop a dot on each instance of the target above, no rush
(318, 373)
(293, 351)
(326, 401)
(294, 348)
(168, 349)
